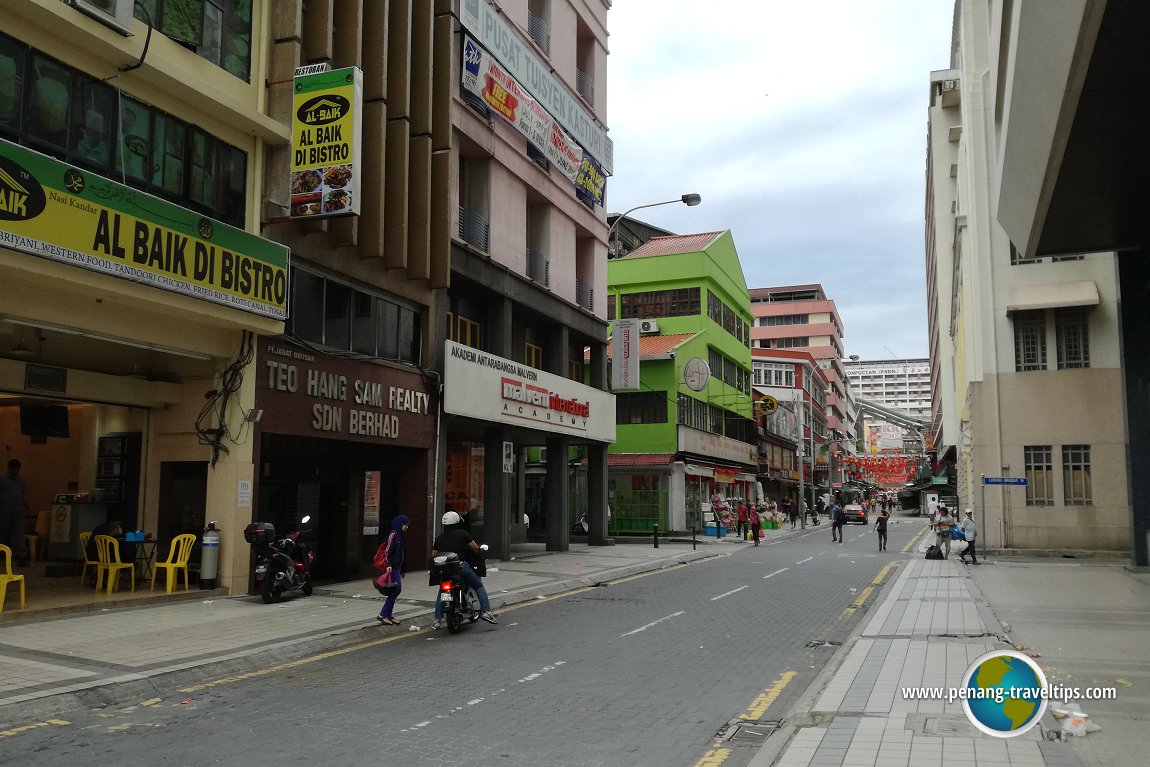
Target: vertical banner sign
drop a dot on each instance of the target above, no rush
(625, 355)
(508, 457)
(327, 128)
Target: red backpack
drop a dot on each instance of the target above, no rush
(380, 560)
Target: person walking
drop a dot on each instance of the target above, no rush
(743, 519)
(756, 524)
(836, 522)
(970, 532)
(392, 555)
(793, 513)
(880, 528)
(13, 507)
(942, 529)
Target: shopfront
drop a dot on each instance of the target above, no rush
(348, 443)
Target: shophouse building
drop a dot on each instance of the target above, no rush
(1029, 342)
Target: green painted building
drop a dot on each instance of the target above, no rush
(687, 431)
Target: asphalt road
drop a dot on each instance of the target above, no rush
(652, 670)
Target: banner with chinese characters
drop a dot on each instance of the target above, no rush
(327, 126)
(486, 79)
(55, 211)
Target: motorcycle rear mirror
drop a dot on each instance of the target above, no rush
(306, 519)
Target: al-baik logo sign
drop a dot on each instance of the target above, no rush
(1004, 693)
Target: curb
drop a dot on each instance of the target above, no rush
(161, 682)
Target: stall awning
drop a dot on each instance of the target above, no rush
(700, 471)
(1054, 296)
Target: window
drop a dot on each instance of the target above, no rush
(474, 186)
(533, 356)
(660, 303)
(219, 31)
(466, 332)
(539, 23)
(1029, 340)
(1072, 330)
(611, 307)
(641, 407)
(793, 343)
(1039, 475)
(338, 316)
(1076, 487)
(785, 319)
(575, 370)
(774, 374)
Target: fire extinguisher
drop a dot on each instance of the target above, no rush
(209, 557)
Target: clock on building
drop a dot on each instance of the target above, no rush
(696, 373)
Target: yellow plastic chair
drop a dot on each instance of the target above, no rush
(108, 552)
(84, 556)
(177, 560)
(7, 577)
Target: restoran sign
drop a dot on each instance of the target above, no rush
(326, 137)
(482, 385)
(52, 210)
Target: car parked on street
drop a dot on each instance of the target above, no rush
(854, 513)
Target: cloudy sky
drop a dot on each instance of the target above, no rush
(803, 126)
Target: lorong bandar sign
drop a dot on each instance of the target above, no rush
(55, 211)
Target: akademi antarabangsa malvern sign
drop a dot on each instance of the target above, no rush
(481, 385)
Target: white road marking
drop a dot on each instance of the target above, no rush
(473, 702)
(652, 623)
(776, 572)
(732, 591)
(422, 724)
(808, 559)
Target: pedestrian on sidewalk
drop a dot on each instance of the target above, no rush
(13, 507)
(792, 512)
(743, 519)
(880, 528)
(756, 524)
(391, 558)
(836, 522)
(970, 532)
(942, 529)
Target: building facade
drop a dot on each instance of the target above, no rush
(685, 428)
(1018, 330)
(902, 384)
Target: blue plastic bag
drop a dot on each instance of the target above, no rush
(956, 534)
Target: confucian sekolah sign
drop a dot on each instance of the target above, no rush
(55, 211)
(326, 138)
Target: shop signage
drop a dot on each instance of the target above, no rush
(326, 137)
(304, 393)
(485, 78)
(521, 62)
(625, 355)
(52, 210)
(482, 385)
(716, 446)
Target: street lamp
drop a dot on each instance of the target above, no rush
(690, 200)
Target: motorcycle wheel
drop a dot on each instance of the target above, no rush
(268, 591)
(454, 621)
(307, 589)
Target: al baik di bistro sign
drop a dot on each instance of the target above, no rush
(482, 385)
(485, 78)
(327, 129)
(55, 211)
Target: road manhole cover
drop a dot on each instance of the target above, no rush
(823, 643)
(752, 733)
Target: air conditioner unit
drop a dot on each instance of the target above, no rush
(116, 14)
(648, 326)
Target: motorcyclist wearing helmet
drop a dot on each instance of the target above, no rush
(456, 539)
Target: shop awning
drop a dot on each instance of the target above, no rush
(1054, 296)
(700, 471)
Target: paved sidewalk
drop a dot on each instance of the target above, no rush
(927, 628)
(94, 659)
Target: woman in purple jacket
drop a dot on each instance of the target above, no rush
(395, 554)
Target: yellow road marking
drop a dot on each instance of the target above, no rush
(760, 705)
(914, 539)
(152, 701)
(883, 574)
(715, 757)
(27, 727)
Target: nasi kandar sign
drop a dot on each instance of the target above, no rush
(327, 127)
(58, 212)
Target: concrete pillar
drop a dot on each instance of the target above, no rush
(558, 496)
(496, 499)
(597, 493)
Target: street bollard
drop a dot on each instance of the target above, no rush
(655, 528)
(694, 543)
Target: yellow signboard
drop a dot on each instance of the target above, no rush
(58, 212)
(326, 139)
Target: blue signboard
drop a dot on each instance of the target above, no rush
(1004, 480)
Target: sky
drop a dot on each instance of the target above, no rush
(803, 126)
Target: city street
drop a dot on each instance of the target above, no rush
(648, 670)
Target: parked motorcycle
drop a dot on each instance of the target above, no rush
(282, 564)
(460, 601)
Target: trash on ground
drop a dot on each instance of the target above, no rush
(1123, 682)
(189, 700)
(207, 601)
(413, 628)
(1078, 723)
(1033, 655)
(854, 590)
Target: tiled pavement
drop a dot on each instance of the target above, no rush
(931, 623)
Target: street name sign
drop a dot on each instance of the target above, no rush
(1004, 480)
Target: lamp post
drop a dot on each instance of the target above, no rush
(690, 200)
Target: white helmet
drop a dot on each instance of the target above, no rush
(451, 518)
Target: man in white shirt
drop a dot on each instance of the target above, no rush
(970, 531)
